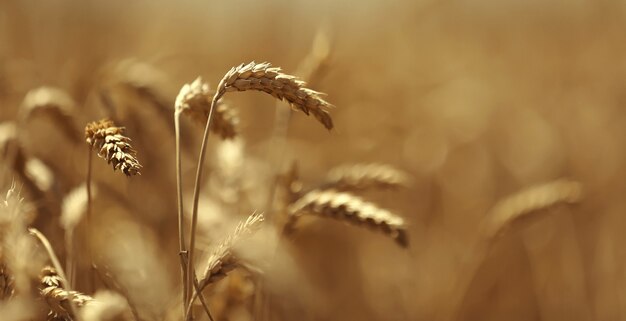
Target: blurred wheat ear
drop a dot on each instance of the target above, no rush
(194, 100)
(366, 176)
(530, 202)
(349, 208)
(55, 104)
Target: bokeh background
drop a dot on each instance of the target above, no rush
(475, 99)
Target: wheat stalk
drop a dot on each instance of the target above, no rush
(261, 77)
(349, 208)
(194, 100)
(73, 208)
(366, 176)
(530, 201)
(111, 144)
(57, 297)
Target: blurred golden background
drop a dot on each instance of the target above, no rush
(476, 100)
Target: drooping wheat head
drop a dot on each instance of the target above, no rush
(263, 77)
(366, 176)
(57, 297)
(349, 208)
(223, 258)
(111, 144)
(194, 100)
(533, 200)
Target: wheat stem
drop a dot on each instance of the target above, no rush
(181, 231)
(89, 218)
(196, 198)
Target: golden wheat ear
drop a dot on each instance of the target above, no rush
(57, 297)
(366, 176)
(111, 144)
(349, 208)
(223, 259)
(194, 100)
(530, 202)
(263, 77)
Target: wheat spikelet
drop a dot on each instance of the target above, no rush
(530, 201)
(223, 260)
(366, 176)
(111, 144)
(350, 208)
(58, 299)
(54, 103)
(263, 77)
(194, 100)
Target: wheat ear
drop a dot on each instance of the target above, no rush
(57, 265)
(223, 259)
(532, 200)
(111, 144)
(366, 176)
(194, 100)
(263, 77)
(57, 297)
(349, 208)
(54, 103)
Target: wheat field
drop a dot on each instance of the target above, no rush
(326, 160)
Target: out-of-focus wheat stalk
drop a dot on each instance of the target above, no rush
(350, 208)
(73, 208)
(15, 157)
(18, 256)
(223, 258)
(533, 200)
(366, 176)
(55, 104)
